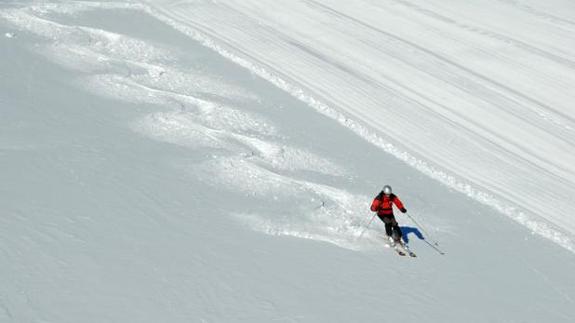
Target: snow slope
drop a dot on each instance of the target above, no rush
(146, 177)
(475, 94)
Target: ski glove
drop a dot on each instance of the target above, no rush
(403, 210)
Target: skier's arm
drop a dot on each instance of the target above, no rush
(399, 205)
(375, 204)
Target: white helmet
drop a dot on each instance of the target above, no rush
(387, 189)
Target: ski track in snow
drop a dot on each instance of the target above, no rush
(479, 117)
(245, 152)
(132, 215)
(244, 145)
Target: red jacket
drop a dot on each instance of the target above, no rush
(383, 204)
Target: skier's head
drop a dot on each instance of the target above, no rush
(387, 190)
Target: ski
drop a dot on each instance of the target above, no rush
(402, 249)
(396, 248)
(399, 252)
(406, 248)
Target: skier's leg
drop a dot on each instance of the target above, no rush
(388, 229)
(396, 228)
(388, 224)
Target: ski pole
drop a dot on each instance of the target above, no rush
(421, 227)
(434, 247)
(362, 232)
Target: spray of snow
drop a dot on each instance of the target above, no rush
(258, 163)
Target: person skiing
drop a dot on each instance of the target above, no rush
(383, 205)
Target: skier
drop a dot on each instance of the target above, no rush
(383, 205)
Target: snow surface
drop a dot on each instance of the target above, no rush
(448, 88)
(165, 161)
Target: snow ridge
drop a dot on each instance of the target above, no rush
(537, 224)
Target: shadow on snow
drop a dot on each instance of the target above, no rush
(411, 230)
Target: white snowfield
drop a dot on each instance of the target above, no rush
(214, 161)
(452, 87)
